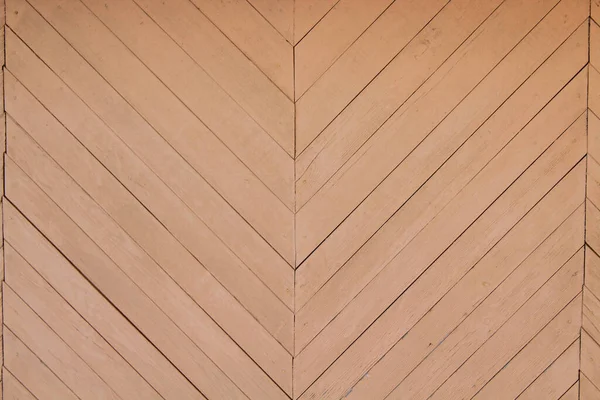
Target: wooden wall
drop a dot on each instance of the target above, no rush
(309, 199)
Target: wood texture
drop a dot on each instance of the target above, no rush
(300, 199)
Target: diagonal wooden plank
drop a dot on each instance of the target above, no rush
(356, 67)
(259, 41)
(514, 335)
(365, 223)
(279, 13)
(590, 356)
(72, 329)
(560, 376)
(95, 309)
(331, 37)
(156, 323)
(442, 230)
(470, 317)
(219, 112)
(572, 393)
(307, 13)
(592, 225)
(366, 168)
(127, 253)
(178, 125)
(52, 351)
(587, 389)
(157, 241)
(13, 389)
(591, 311)
(529, 371)
(30, 371)
(194, 193)
(400, 317)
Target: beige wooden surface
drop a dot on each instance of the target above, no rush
(273, 199)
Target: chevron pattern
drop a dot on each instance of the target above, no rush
(309, 199)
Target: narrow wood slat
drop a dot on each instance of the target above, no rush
(95, 309)
(594, 91)
(467, 322)
(587, 389)
(592, 271)
(590, 358)
(192, 85)
(13, 389)
(157, 241)
(280, 14)
(31, 372)
(515, 334)
(226, 64)
(331, 37)
(259, 41)
(591, 312)
(384, 202)
(593, 135)
(128, 254)
(52, 351)
(360, 64)
(385, 149)
(593, 183)
(572, 393)
(560, 376)
(174, 121)
(119, 288)
(74, 330)
(403, 314)
(441, 232)
(594, 44)
(592, 226)
(529, 370)
(193, 192)
(307, 13)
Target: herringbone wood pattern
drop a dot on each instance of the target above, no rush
(309, 199)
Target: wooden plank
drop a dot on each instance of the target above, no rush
(593, 183)
(280, 14)
(64, 321)
(594, 91)
(592, 224)
(385, 150)
(191, 191)
(156, 240)
(474, 317)
(331, 37)
(587, 389)
(591, 313)
(590, 358)
(592, 271)
(511, 338)
(379, 291)
(165, 281)
(593, 135)
(151, 98)
(403, 314)
(95, 309)
(31, 372)
(560, 376)
(259, 41)
(51, 350)
(530, 369)
(381, 207)
(156, 323)
(196, 89)
(572, 393)
(226, 64)
(307, 13)
(594, 44)
(386, 92)
(13, 389)
(390, 34)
